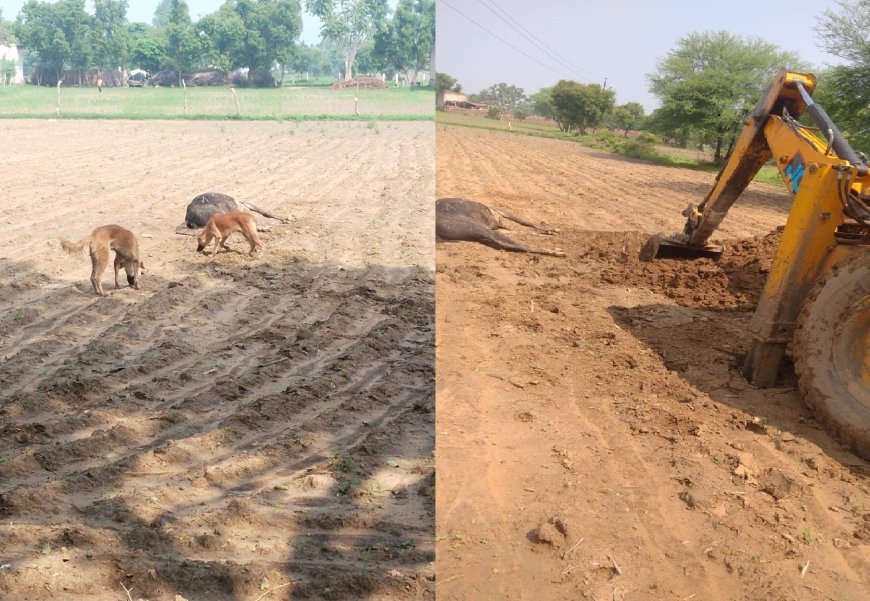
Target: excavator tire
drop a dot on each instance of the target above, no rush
(832, 351)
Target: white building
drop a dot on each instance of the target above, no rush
(10, 53)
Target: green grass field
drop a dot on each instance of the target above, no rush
(660, 155)
(289, 103)
(520, 127)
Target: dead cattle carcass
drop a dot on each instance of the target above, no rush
(460, 219)
(201, 208)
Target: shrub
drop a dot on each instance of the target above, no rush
(636, 148)
(494, 112)
(607, 137)
(522, 112)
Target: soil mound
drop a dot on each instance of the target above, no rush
(363, 83)
(169, 77)
(734, 281)
(207, 78)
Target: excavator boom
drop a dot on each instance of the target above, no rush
(787, 98)
(819, 282)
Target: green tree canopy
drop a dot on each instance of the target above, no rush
(254, 52)
(7, 67)
(223, 37)
(310, 59)
(7, 31)
(507, 97)
(626, 117)
(58, 33)
(349, 24)
(542, 103)
(711, 80)
(162, 14)
(405, 44)
(446, 83)
(580, 106)
(146, 47)
(241, 33)
(112, 44)
(252, 34)
(183, 44)
(668, 126)
(281, 25)
(843, 92)
(843, 89)
(846, 32)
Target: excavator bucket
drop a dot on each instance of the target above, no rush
(669, 247)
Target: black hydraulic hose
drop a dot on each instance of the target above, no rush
(837, 141)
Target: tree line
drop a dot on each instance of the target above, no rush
(707, 85)
(261, 36)
(573, 106)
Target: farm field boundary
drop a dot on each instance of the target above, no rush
(290, 103)
(661, 154)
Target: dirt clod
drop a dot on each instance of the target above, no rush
(552, 531)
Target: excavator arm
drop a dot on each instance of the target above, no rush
(819, 281)
(785, 101)
(750, 153)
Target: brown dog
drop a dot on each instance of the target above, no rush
(102, 240)
(221, 225)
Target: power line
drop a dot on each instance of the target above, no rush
(502, 40)
(537, 42)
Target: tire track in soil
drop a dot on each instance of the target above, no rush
(84, 454)
(49, 356)
(352, 336)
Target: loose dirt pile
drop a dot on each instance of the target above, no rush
(596, 439)
(735, 281)
(169, 77)
(239, 425)
(363, 83)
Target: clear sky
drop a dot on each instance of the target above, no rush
(593, 40)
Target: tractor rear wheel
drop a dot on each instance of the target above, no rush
(832, 351)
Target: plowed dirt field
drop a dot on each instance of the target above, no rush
(241, 426)
(595, 439)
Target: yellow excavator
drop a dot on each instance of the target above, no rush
(817, 294)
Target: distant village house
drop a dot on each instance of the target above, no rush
(11, 58)
(448, 100)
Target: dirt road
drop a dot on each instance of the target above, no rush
(240, 424)
(595, 439)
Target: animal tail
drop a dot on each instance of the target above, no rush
(75, 248)
(254, 208)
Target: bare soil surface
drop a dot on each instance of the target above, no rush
(595, 438)
(241, 426)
